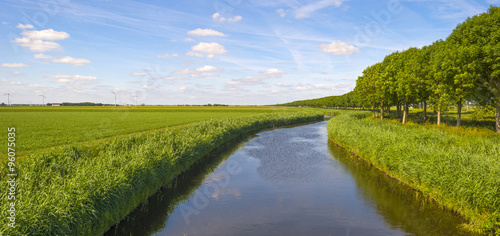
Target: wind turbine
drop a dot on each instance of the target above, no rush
(135, 99)
(43, 98)
(8, 98)
(115, 96)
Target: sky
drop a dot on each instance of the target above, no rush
(235, 52)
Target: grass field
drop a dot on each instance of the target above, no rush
(458, 167)
(84, 188)
(42, 127)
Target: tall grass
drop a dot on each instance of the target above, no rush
(84, 189)
(460, 172)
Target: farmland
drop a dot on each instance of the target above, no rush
(43, 127)
(84, 188)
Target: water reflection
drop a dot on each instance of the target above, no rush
(152, 216)
(288, 182)
(400, 206)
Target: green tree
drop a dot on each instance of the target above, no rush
(479, 38)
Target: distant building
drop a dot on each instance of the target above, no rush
(56, 104)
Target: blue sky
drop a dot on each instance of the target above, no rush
(197, 52)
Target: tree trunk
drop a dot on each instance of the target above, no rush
(459, 112)
(439, 114)
(405, 112)
(373, 110)
(467, 105)
(398, 110)
(381, 111)
(498, 116)
(425, 111)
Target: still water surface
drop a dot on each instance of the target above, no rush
(289, 181)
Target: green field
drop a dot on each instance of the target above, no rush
(458, 167)
(84, 188)
(42, 127)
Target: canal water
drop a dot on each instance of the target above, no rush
(288, 181)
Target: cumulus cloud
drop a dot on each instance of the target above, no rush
(307, 10)
(41, 40)
(68, 60)
(338, 48)
(207, 68)
(205, 32)
(193, 54)
(73, 79)
(201, 72)
(217, 17)
(273, 72)
(13, 65)
(249, 80)
(282, 84)
(21, 26)
(166, 55)
(281, 12)
(209, 49)
(139, 73)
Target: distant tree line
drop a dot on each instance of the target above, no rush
(346, 101)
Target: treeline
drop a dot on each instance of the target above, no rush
(346, 101)
(464, 67)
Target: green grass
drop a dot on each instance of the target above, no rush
(460, 172)
(83, 189)
(42, 127)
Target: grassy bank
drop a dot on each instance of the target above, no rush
(458, 171)
(84, 189)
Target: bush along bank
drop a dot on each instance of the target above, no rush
(459, 172)
(83, 190)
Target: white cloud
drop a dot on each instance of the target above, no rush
(48, 34)
(217, 17)
(193, 54)
(281, 12)
(68, 60)
(301, 88)
(210, 49)
(205, 32)
(307, 10)
(183, 72)
(207, 68)
(249, 80)
(199, 72)
(189, 40)
(13, 65)
(139, 73)
(37, 45)
(35, 86)
(73, 79)
(273, 71)
(338, 48)
(40, 41)
(283, 84)
(21, 26)
(166, 55)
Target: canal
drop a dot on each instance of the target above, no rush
(288, 181)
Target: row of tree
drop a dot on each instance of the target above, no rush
(464, 67)
(346, 101)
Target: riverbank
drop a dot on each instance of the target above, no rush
(459, 172)
(85, 189)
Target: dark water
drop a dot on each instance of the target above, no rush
(289, 181)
